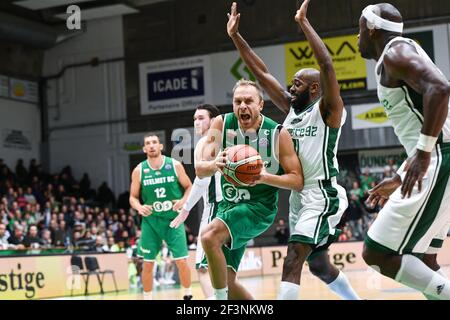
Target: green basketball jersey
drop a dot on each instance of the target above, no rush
(264, 141)
(160, 187)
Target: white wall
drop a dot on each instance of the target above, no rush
(24, 118)
(87, 95)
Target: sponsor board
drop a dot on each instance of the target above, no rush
(174, 85)
(132, 143)
(349, 66)
(367, 116)
(23, 90)
(38, 277)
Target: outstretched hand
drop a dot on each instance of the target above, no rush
(182, 216)
(301, 13)
(233, 20)
(380, 194)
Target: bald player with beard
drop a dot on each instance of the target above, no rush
(315, 115)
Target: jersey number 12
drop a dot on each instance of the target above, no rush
(160, 192)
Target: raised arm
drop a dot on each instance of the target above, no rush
(402, 62)
(331, 106)
(211, 160)
(279, 96)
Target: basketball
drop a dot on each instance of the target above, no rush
(243, 164)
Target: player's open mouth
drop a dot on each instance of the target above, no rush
(245, 117)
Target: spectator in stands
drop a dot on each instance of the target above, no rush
(21, 172)
(85, 185)
(6, 175)
(346, 235)
(357, 192)
(366, 179)
(99, 244)
(94, 232)
(33, 169)
(355, 217)
(20, 198)
(123, 201)
(16, 240)
(76, 237)
(46, 239)
(105, 196)
(32, 240)
(4, 235)
(282, 232)
(110, 246)
(62, 236)
(29, 196)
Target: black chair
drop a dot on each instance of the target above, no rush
(78, 270)
(93, 268)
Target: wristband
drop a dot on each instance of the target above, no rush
(426, 143)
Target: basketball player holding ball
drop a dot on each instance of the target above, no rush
(315, 115)
(247, 209)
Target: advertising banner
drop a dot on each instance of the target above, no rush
(368, 116)
(174, 85)
(228, 68)
(350, 67)
(38, 277)
(377, 160)
(132, 143)
(24, 90)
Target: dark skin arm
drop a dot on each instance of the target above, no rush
(331, 105)
(402, 63)
(279, 96)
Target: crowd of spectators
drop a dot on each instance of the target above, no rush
(359, 215)
(42, 211)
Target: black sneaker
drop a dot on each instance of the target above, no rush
(187, 297)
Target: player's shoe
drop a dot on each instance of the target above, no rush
(187, 297)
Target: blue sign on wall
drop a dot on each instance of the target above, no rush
(175, 84)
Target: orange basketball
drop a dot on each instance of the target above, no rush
(244, 163)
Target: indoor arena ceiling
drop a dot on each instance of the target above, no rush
(51, 12)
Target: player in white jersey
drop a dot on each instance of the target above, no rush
(315, 116)
(415, 218)
(207, 188)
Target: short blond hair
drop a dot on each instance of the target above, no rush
(244, 82)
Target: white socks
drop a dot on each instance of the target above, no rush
(221, 294)
(148, 295)
(442, 273)
(288, 291)
(341, 286)
(415, 274)
(187, 291)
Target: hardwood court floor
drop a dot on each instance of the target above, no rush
(368, 284)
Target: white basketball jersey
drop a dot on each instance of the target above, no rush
(315, 143)
(213, 193)
(404, 106)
